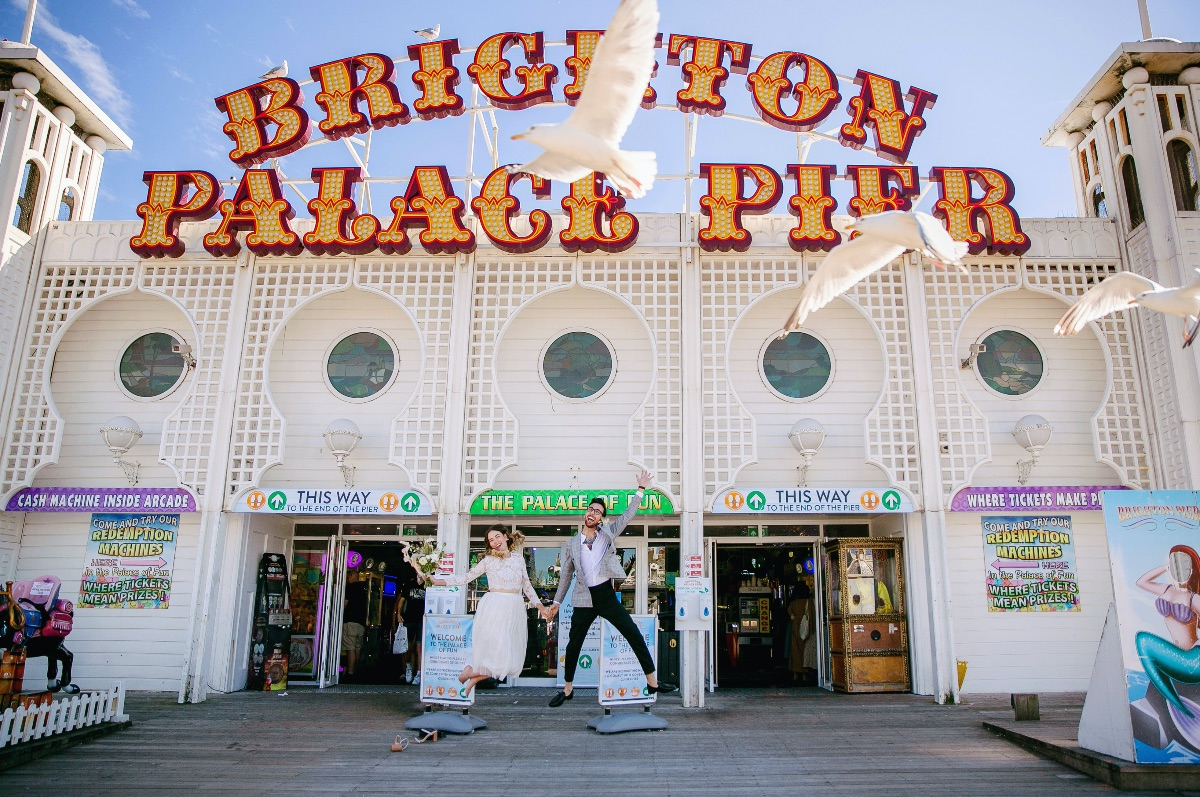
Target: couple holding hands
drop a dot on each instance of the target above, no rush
(501, 633)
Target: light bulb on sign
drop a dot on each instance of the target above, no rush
(353, 559)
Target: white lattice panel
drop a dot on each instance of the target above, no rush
(15, 265)
(426, 288)
(1160, 373)
(279, 287)
(1118, 427)
(729, 284)
(962, 428)
(652, 286)
(33, 428)
(890, 434)
(501, 287)
(205, 291)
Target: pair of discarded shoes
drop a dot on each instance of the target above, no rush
(402, 743)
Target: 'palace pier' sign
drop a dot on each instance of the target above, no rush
(267, 120)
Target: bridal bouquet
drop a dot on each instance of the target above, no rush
(424, 558)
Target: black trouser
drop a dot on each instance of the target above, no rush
(606, 605)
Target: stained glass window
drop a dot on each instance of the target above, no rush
(149, 368)
(1011, 363)
(577, 365)
(361, 365)
(798, 366)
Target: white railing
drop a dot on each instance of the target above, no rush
(67, 714)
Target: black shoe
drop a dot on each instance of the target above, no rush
(661, 689)
(560, 698)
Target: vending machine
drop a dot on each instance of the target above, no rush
(271, 629)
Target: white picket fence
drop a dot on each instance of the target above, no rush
(66, 714)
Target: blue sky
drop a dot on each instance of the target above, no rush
(1003, 72)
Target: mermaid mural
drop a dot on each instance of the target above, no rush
(1179, 604)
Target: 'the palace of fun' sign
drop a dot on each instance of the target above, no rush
(267, 120)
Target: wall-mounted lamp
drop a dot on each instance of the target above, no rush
(807, 435)
(121, 434)
(1032, 433)
(342, 436)
(973, 351)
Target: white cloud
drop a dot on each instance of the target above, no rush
(133, 8)
(83, 53)
(175, 73)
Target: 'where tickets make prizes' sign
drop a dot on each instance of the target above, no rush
(446, 650)
(622, 681)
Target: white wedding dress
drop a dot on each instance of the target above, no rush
(501, 629)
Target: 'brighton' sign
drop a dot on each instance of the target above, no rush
(267, 120)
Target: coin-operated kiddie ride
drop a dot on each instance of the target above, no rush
(34, 622)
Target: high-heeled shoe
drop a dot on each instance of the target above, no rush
(560, 698)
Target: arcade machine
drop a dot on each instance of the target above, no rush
(271, 629)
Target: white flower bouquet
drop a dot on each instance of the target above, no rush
(424, 558)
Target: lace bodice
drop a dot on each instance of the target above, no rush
(506, 573)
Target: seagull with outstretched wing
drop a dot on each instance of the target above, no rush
(1124, 290)
(589, 139)
(883, 237)
(429, 34)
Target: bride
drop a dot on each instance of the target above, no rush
(500, 630)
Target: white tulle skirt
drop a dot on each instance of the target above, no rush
(500, 634)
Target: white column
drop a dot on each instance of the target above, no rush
(691, 516)
(91, 188)
(936, 656)
(59, 154)
(213, 518)
(454, 518)
(19, 118)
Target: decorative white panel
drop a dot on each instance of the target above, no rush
(501, 287)
(962, 429)
(205, 292)
(426, 288)
(1118, 427)
(652, 286)
(32, 437)
(1160, 373)
(15, 265)
(279, 287)
(891, 436)
(729, 284)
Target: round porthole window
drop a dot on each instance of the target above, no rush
(149, 368)
(1010, 364)
(798, 366)
(361, 365)
(578, 365)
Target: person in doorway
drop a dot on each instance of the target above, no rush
(400, 630)
(802, 652)
(414, 618)
(501, 630)
(593, 553)
(354, 620)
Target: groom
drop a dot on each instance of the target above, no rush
(591, 556)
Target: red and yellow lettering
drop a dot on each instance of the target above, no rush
(578, 64)
(880, 188)
(817, 93)
(165, 207)
(258, 206)
(342, 89)
(276, 101)
(491, 67)
(726, 201)
(704, 73)
(495, 206)
(879, 106)
(430, 203)
(436, 76)
(989, 223)
(813, 206)
(336, 227)
(589, 203)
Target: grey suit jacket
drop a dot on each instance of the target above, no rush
(610, 564)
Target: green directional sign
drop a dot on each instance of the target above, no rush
(410, 502)
(756, 501)
(585, 662)
(891, 500)
(565, 502)
(277, 501)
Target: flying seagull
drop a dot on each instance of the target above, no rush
(1124, 290)
(275, 71)
(429, 34)
(884, 236)
(588, 140)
